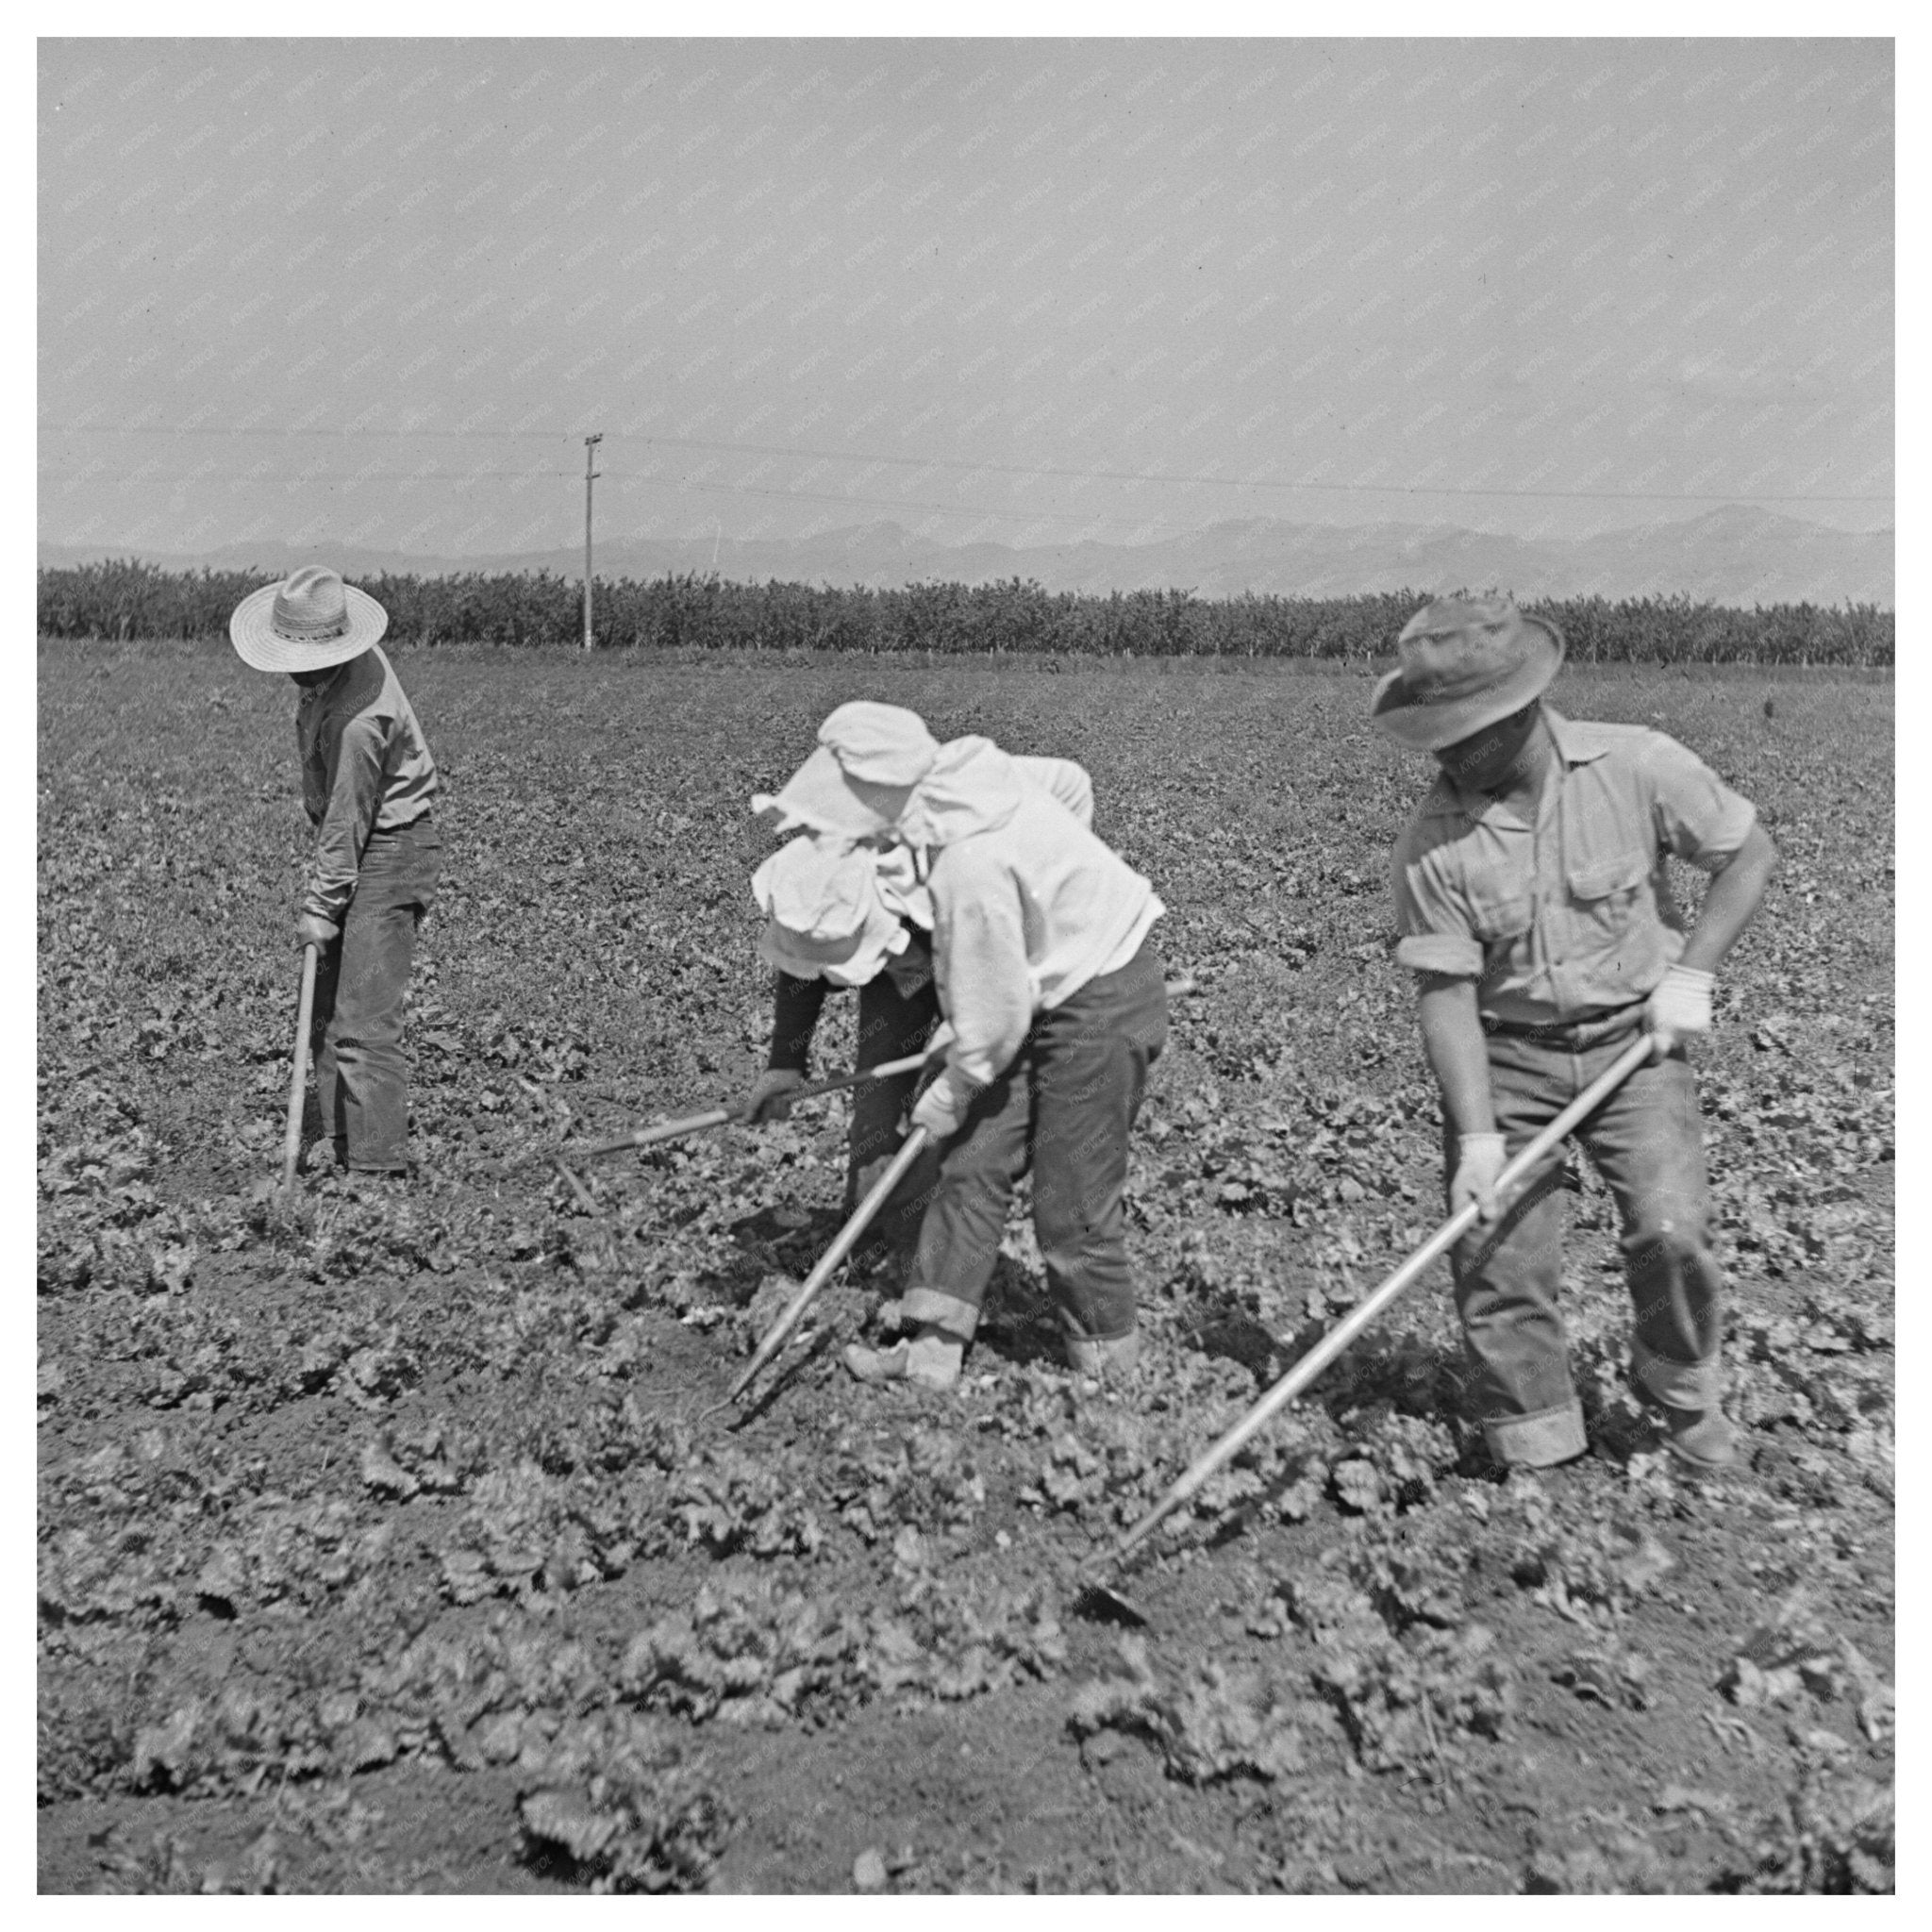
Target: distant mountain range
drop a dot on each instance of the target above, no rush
(1735, 554)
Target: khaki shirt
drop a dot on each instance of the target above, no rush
(365, 768)
(1572, 914)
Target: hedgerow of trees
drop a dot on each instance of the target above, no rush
(132, 599)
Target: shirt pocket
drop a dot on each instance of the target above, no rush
(1498, 913)
(1606, 891)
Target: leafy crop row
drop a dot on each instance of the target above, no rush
(132, 599)
(410, 1498)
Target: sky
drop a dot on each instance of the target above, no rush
(1030, 292)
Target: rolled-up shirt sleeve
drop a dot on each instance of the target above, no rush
(1432, 923)
(1699, 816)
(347, 819)
(980, 948)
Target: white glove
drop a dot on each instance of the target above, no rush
(1680, 1005)
(942, 1107)
(1479, 1159)
(312, 929)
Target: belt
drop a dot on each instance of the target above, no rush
(423, 821)
(1576, 1029)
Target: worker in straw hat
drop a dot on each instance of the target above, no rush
(1057, 1008)
(1532, 903)
(843, 915)
(368, 782)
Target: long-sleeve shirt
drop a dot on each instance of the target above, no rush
(1029, 904)
(798, 1002)
(1572, 914)
(365, 768)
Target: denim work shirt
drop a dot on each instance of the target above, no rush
(1572, 914)
(365, 768)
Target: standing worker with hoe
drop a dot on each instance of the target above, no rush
(367, 782)
(1532, 903)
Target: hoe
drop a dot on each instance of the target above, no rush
(847, 1238)
(697, 1123)
(842, 1245)
(719, 1116)
(1099, 1598)
(298, 1075)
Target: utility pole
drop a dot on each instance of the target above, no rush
(589, 476)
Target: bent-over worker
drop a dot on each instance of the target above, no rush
(844, 915)
(1057, 1008)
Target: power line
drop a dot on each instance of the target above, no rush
(264, 430)
(312, 476)
(683, 484)
(960, 510)
(1247, 482)
(680, 483)
(918, 462)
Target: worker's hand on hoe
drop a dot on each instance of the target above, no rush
(941, 1108)
(771, 1096)
(1479, 1162)
(312, 930)
(1680, 1005)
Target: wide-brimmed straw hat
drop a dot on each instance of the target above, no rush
(855, 784)
(1464, 663)
(825, 915)
(309, 622)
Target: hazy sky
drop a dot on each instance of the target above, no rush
(377, 291)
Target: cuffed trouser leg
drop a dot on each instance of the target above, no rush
(1647, 1140)
(1518, 1384)
(966, 1217)
(891, 1026)
(1091, 1058)
(360, 1075)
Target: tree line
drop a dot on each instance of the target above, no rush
(134, 599)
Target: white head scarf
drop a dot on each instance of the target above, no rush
(826, 915)
(855, 784)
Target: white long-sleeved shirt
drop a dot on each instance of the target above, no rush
(1028, 905)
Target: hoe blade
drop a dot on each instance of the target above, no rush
(1102, 1603)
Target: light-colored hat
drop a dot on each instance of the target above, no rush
(825, 915)
(905, 892)
(855, 784)
(1465, 663)
(310, 622)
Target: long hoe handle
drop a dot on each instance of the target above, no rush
(298, 1077)
(1345, 1332)
(717, 1116)
(829, 1262)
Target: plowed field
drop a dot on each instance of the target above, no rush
(386, 1542)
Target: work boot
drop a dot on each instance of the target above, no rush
(1087, 1356)
(930, 1359)
(1700, 1438)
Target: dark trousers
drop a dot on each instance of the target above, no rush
(362, 1079)
(1647, 1143)
(891, 1026)
(1065, 1106)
